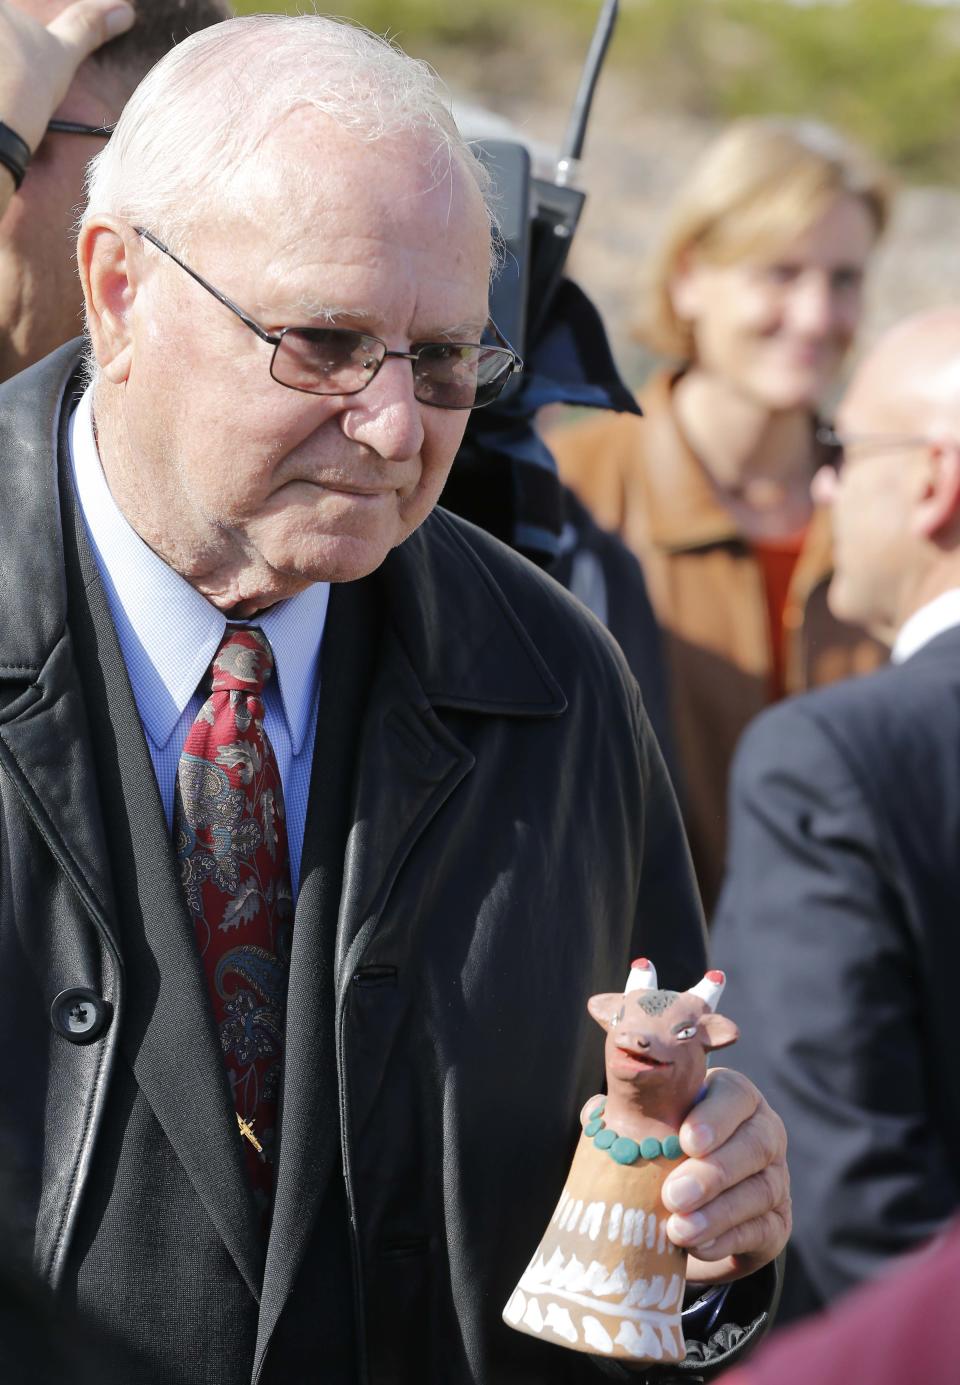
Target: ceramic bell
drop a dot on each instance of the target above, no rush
(605, 1278)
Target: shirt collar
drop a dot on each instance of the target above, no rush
(933, 619)
(168, 631)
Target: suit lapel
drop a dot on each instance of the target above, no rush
(169, 1036)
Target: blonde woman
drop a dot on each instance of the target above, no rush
(756, 293)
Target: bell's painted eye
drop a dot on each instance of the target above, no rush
(687, 1032)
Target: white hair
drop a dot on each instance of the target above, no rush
(211, 102)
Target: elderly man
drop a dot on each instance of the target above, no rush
(838, 917)
(321, 812)
(58, 110)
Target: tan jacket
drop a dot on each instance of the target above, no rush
(641, 480)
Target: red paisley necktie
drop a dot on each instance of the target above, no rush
(231, 841)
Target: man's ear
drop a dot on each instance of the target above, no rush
(717, 1031)
(937, 507)
(603, 1007)
(109, 253)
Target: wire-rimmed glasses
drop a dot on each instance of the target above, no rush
(77, 127)
(339, 361)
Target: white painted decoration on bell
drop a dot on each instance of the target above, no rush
(561, 1205)
(593, 1220)
(591, 1280)
(644, 1343)
(514, 1309)
(618, 1283)
(645, 1294)
(651, 1232)
(638, 1227)
(628, 1220)
(596, 1335)
(661, 1238)
(533, 1317)
(574, 1269)
(672, 1297)
(616, 1217)
(559, 1321)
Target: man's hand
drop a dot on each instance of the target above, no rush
(37, 63)
(731, 1198)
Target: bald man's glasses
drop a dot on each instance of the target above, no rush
(839, 448)
(336, 360)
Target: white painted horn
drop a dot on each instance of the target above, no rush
(710, 989)
(643, 976)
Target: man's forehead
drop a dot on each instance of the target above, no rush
(332, 217)
(317, 165)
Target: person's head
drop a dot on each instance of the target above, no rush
(895, 496)
(758, 275)
(41, 305)
(312, 173)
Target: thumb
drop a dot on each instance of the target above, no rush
(84, 26)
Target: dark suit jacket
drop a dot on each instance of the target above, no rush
(838, 928)
(490, 838)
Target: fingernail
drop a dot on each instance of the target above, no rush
(680, 1193)
(119, 20)
(697, 1138)
(687, 1228)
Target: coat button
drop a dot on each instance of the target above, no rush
(80, 1015)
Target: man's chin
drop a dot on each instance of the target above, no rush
(336, 557)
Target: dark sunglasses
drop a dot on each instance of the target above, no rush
(336, 360)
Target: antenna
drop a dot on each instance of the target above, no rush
(572, 147)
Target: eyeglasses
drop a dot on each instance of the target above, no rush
(842, 446)
(75, 127)
(336, 360)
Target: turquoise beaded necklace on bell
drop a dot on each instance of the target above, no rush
(621, 1148)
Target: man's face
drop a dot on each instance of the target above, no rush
(871, 500)
(248, 488)
(777, 329)
(41, 304)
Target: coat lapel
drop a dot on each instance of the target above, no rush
(384, 766)
(169, 1036)
(310, 1129)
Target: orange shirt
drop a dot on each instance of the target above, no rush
(777, 559)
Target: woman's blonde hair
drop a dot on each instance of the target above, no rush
(763, 182)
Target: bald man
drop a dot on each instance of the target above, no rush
(837, 924)
(75, 65)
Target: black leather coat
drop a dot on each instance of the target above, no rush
(512, 841)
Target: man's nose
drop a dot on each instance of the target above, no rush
(636, 1040)
(385, 416)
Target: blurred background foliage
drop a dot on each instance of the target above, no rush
(887, 71)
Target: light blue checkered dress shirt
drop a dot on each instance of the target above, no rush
(169, 634)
